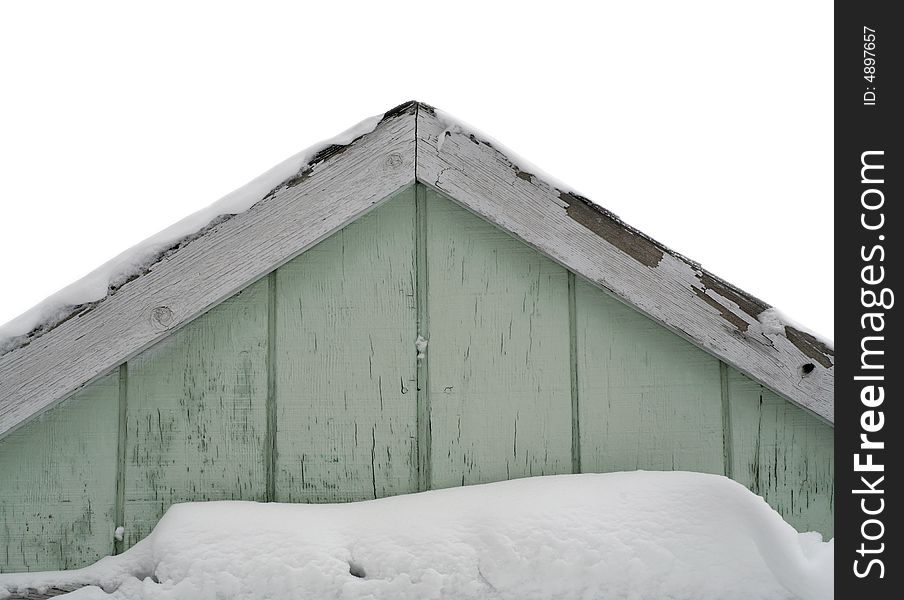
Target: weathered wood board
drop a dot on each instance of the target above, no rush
(346, 362)
(595, 244)
(195, 416)
(498, 353)
(58, 483)
(782, 453)
(648, 399)
(332, 190)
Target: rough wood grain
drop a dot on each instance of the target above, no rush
(57, 484)
(648, 399)
(346, 362)
(595, 244)
(196, 417)
(500, 390)
(346, 182)
(782, 453)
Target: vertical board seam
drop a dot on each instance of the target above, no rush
(270, 434)
(424, 434)
(119, 507)
(727, 440)
(573, 365)
(417, 112)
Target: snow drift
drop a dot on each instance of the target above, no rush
(638, 535)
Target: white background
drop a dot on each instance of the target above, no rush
(706, 125)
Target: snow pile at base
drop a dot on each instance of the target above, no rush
(638, 535)
(96, 285)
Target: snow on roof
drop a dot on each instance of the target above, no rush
(426, 145)
(644, 535)
(95, 286)
(527, 169)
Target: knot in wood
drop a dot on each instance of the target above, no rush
(162, 316)
(394, 160)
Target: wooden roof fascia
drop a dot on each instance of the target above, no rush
(342, 182)
(339, 184)
(595, 244)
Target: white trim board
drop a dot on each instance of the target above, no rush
(343, 182)
(337, 186)
(674, 291)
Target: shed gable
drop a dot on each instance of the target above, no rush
(308, 386)
(172, 279)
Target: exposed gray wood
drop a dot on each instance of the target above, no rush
(343, 183)
(664, 285)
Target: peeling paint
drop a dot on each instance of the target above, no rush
(810, 346)
(297, 179)
(352, 292)
(612, 229)
(523, 175)
(334, 150)
(500, 346)
(724, 311)
(745, 302)
(57, 483)
(749, 304)
(783, 454)
(331, 151)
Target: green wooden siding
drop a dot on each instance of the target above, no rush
(195, 413)
(345, 371)
(307, 387)
(648, 399)
(500, 388)
(58, 483)
(783, 454)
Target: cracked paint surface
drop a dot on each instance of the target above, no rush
(499, 354)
